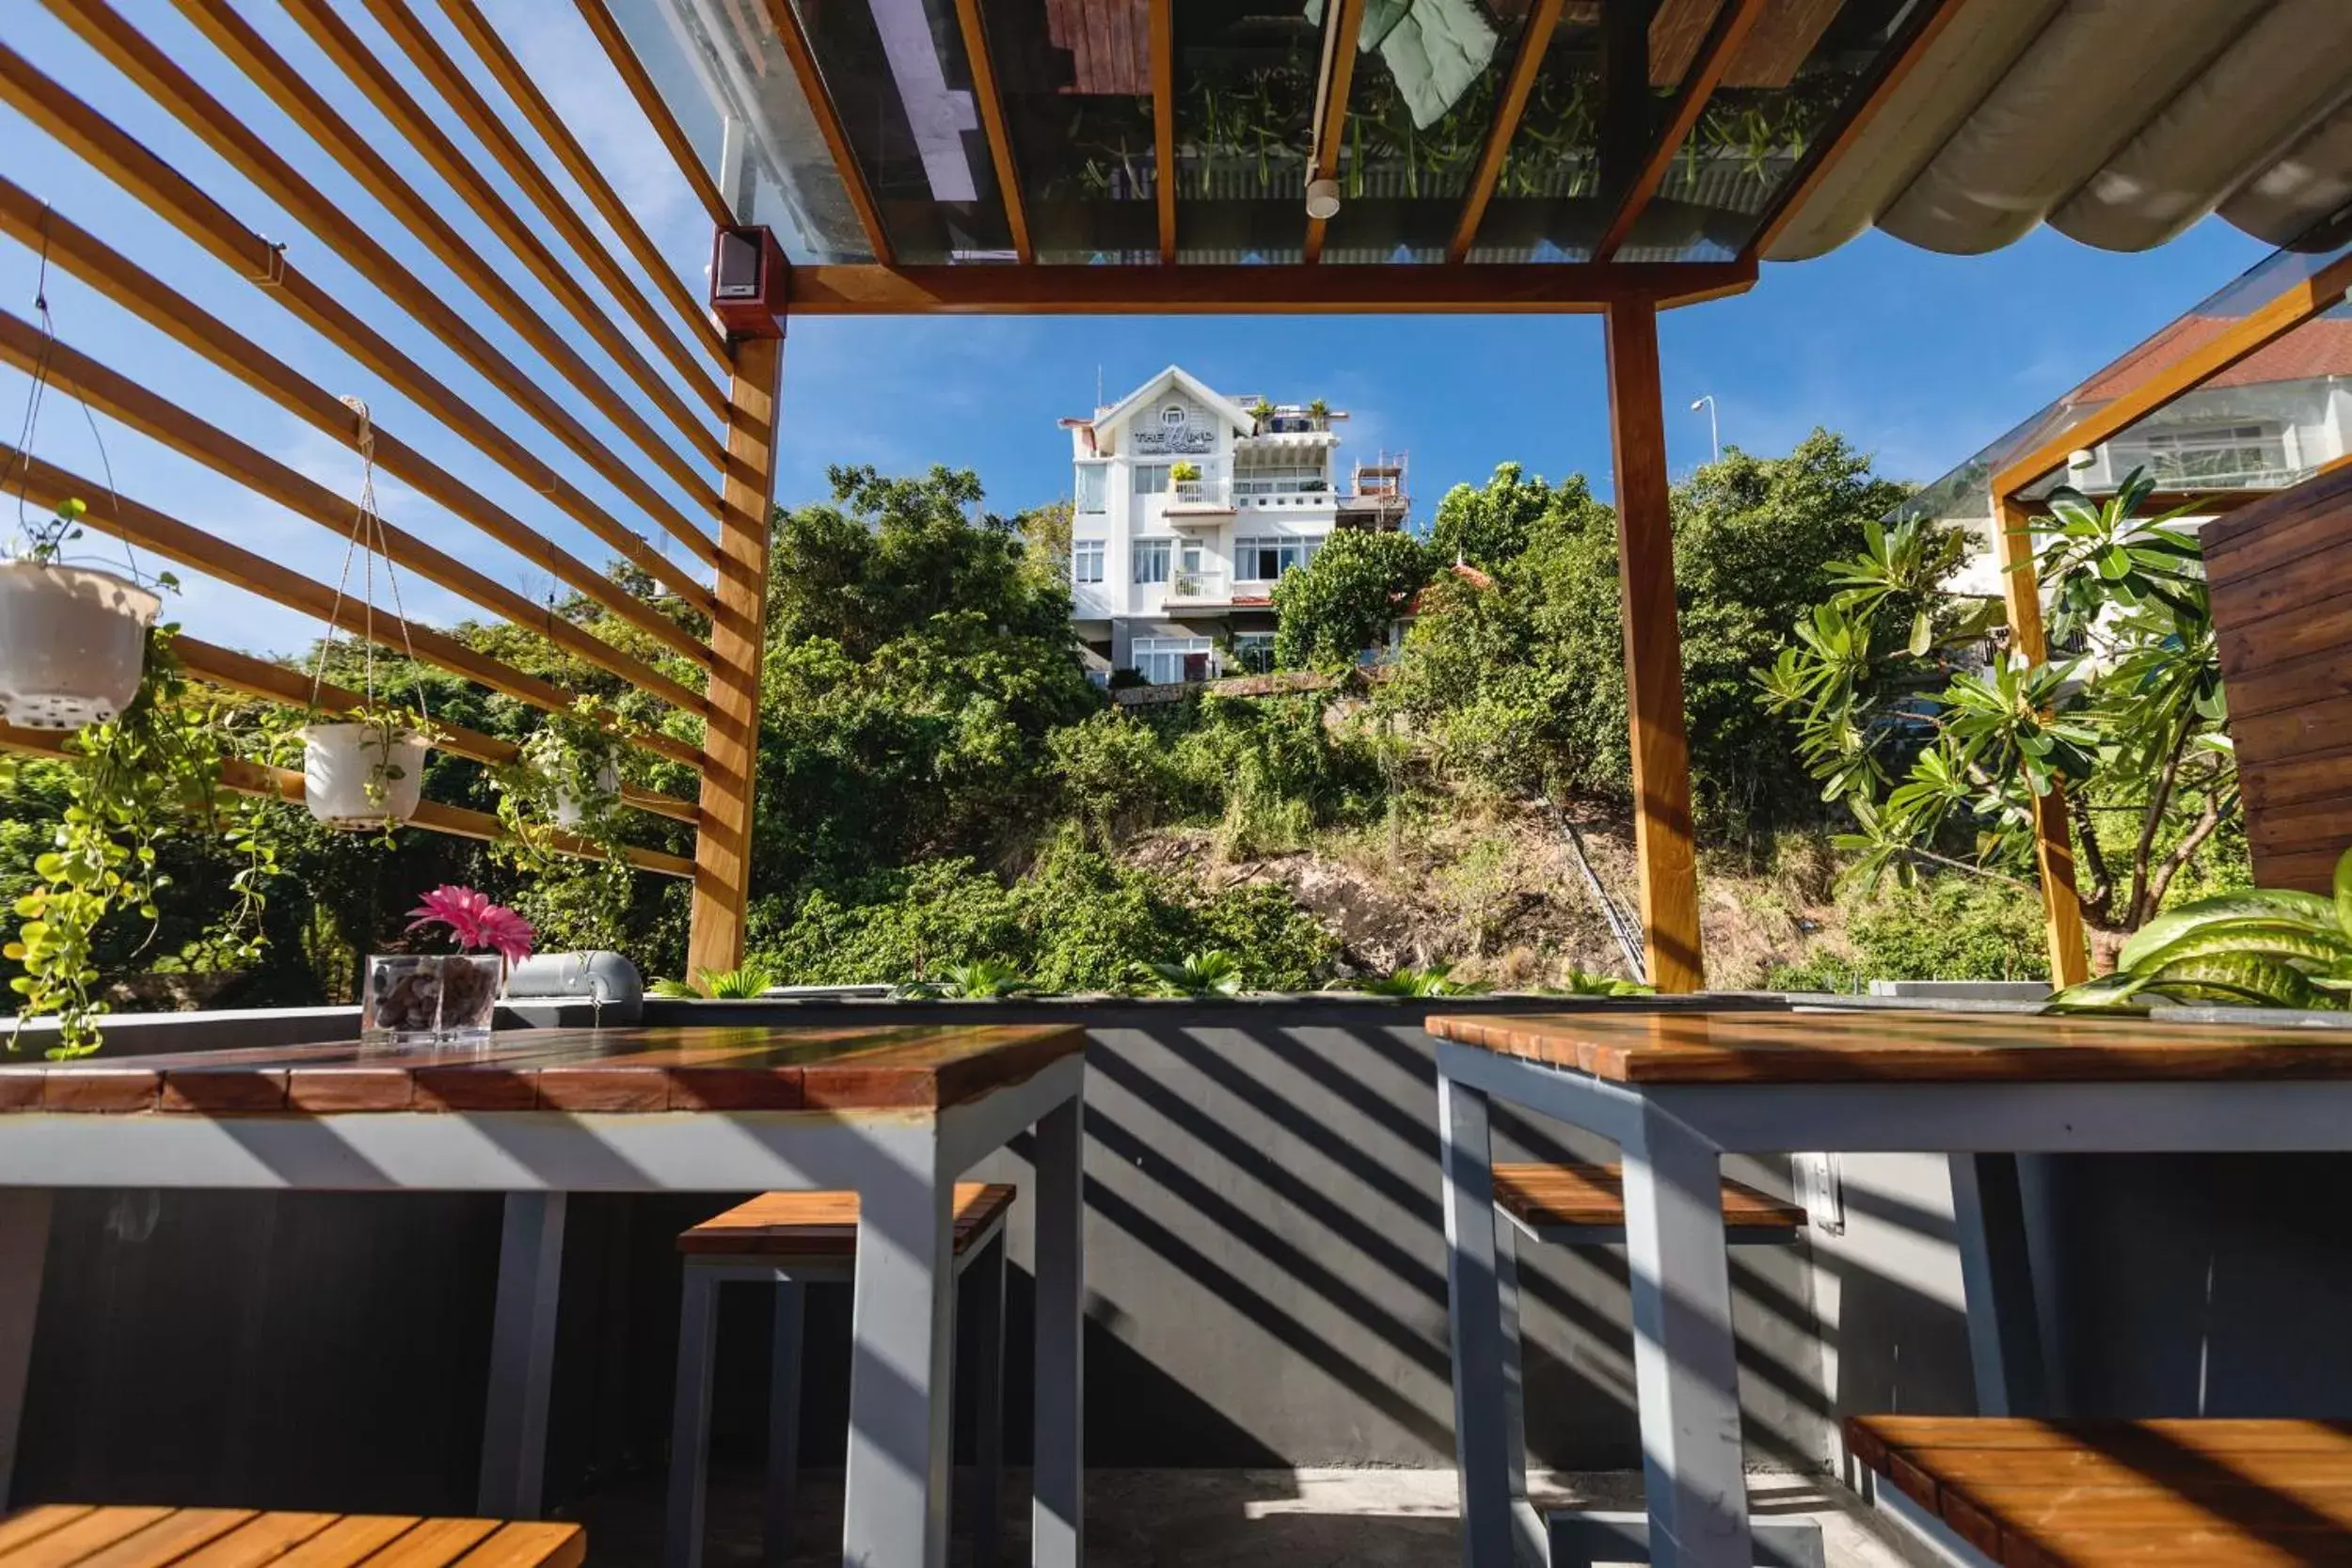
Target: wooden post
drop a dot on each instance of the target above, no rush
(1653, 653)
(722, 863)
(2053, 847)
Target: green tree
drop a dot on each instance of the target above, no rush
(1343, 601)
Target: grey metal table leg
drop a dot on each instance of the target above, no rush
(1529, 1528)
(522, 1356)
(985, 1279)
(901, 1369)
(784, 1417)
(1057, 1514)
(2004, 1326)
(1685, 1367)
(1481, 1436)
(689, 1418)
(24, 1254)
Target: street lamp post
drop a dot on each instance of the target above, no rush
(1714, 436)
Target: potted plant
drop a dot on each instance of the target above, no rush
(568, 776)
(72, 639)
(1321, 411)
(367, 769)
(1184, 472)
(1261, 411)
(445, 998)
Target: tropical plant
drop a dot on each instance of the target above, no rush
(1213, 972)
(1343, 601)
(1261, 411)
(717, 985)
(984, 979)
(1436, 980)
(1184, 472)
(2263, 947)
(1583, 982)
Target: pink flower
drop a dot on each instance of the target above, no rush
(474, 923)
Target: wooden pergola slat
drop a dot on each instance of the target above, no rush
(1534, 41)
(161, 420)
(294, 95)
(1000, 135)
(109, 148)
(1343, 22)
(516, 84)
(74, 251)
(640, 84)
(241, 777)
(1500, 289)
(1164, 123)
(435, 63)
(1733, 23)
(290, 687)
(820, 108)
(43, 483)
(2054, 843)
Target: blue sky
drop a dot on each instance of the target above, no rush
(1918, 359)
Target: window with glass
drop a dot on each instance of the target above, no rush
(1152, 559)
(1166, 660)
(1085, 561)
(1266, 559)
(1253, 651)
(2211, 454)
(1093, 494)
(1151, 479)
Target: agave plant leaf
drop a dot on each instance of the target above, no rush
(2264, 906)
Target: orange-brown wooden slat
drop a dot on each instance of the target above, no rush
(433, 1544)
(93, 1531)
(633, 75)
(1162, 64)
(18, 1530)
(1726, 33)
(1593, 1195)
(786, 21)
(170, 1538)
(528, 1545)
(1535, 38)
(1342, 20)
(824, 1223)
(992, 108)
(104, 145)
(263, 1539)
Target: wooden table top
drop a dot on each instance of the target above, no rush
(732, 1068)
(1907, 1047)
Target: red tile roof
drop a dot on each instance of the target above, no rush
(2320, 347)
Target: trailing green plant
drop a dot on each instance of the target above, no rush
(717, 985)
(1214, 973)
(2263, 948)
(129, 782)
(565, 786)
(44, 541)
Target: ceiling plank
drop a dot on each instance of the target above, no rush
(1919, 35)
(1500, 288)
(1534, 41)
(828, 119)
(1733, 23)
(991, 108)
(1346, 23)
(1164, 123)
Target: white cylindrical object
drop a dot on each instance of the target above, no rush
(73, 644)
(571, 806)
(1323, 199)
(340, 760)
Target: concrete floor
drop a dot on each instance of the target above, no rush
(1227, 1518)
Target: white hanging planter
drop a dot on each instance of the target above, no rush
(572, 806)
(348, 780)
(72, 643)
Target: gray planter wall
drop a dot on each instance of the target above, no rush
(1265, 1270)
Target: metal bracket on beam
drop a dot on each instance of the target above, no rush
(751, 281)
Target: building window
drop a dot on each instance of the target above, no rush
(2216, 454)
(1152, 559)
(1151, 479)
(1093, 495)
(1266, 559)
(1253, 651)
(1085, 561)
(1173, 416)
(1166, 661)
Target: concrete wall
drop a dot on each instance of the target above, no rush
(1266, 1287)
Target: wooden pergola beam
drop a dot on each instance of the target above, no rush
(22, 346)
(1534, 40)
(74, 251)
(634, 76)
(1919, 33)
(1664, 844)
(1734, 21)
(1503, 289)
(293, 92)
(240, 777)
(2054, 843)
(407, 30)
(518, 84)
(1342, 23)
(828, 119)
(999, 135)
(107, 147)
(1164, 123)
(46, 484)
(290, 687)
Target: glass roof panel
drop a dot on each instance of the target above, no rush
(901, 84)
(1427, 78)
(1545, 205)
(1075, 76)
(1244, 105)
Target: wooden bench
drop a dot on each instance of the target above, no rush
(2028, 1493)
(789, 1240)
(64, 1535)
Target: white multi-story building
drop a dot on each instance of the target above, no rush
(1189, 506)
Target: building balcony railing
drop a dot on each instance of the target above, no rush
(1197, 588)
(1210, 491)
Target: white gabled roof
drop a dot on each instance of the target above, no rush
(1185, 381)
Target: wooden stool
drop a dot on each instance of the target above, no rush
(59, 1535)
(1581, 1204)
(790, 1240)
